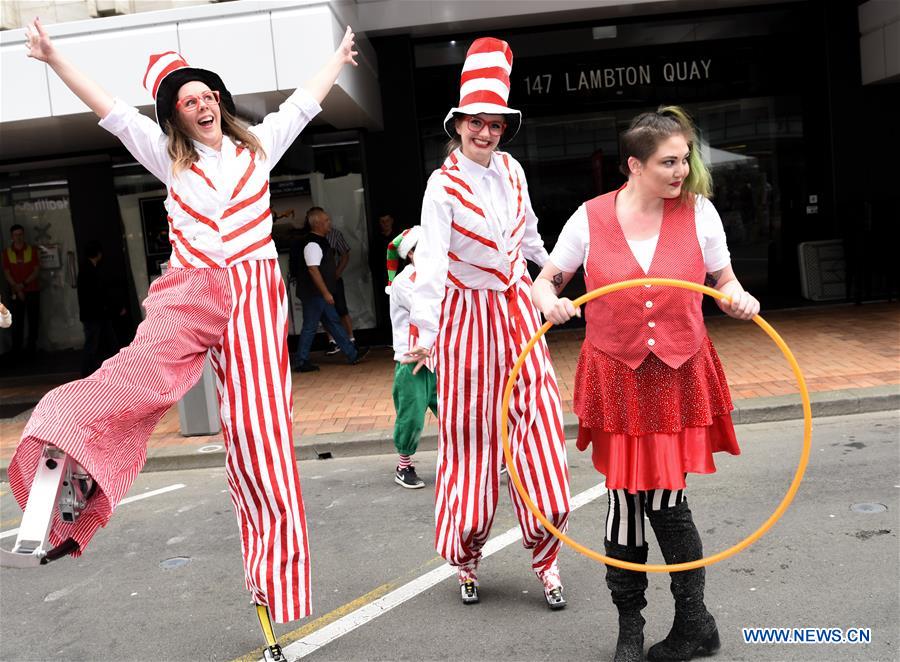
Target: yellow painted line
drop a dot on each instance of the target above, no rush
(321, 622)
(289, 638)
(12, 521)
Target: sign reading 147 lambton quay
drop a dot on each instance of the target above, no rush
(619, 77)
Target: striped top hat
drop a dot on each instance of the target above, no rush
(167, 72)
(484, 85)
(398, 249)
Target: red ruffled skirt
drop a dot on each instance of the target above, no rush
(650, 426)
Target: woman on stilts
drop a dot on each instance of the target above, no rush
(650, 393)
(223, 295)
(471, 308)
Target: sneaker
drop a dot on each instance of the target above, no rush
(307, 366)
(360, 355)
(468, 592)
(407, 478)
(332, 349)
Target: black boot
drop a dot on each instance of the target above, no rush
(694, 630)
(627, 588)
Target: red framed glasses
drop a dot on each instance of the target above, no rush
(476, 124)
(191, 103)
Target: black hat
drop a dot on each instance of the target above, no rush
(167, 72)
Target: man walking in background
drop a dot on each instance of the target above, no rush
(313, 265)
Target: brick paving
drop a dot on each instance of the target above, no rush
(837, 347)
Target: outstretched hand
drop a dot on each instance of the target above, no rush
(37, 41)
(345, 50)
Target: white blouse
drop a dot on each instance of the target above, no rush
(571, 250)
(218, 210)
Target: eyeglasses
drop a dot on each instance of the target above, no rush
(476, 124)
(191, 103)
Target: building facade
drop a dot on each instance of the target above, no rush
(794, 102)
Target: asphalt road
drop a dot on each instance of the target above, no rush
(164, 580)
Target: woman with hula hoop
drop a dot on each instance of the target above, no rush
(471, 306)
(650, 393)
(222, 295)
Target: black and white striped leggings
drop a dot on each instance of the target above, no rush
(625, 520)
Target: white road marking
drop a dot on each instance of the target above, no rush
(314, 641)
(131, 499)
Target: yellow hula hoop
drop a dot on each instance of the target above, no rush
(678, 567)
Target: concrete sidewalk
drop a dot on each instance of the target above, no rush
(849, 355)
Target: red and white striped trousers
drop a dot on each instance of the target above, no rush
(239, 313)
(482, 333)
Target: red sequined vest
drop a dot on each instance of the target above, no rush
(629, 324)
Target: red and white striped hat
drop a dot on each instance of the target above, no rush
(167, 72)
(484, 85)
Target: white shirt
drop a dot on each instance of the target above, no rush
(312, 253)
(401, 304)
(218, 209)
(491, 189)
(571, 250)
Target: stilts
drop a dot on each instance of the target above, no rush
(59, 482)
(272, 652)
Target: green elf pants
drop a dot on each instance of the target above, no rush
(413, 396)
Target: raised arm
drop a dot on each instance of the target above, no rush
(278, 130)
(140, 135)
(319, 85)
(39, 46)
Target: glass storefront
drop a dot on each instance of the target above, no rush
(578, 88)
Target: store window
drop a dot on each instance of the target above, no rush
(339, 162)
(41, 207)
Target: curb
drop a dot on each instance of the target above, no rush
(344, 444)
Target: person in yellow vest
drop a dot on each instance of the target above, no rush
(22, 267)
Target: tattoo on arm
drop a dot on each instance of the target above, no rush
(557, 281)
(712, 279)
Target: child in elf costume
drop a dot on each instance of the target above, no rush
(413, 393)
